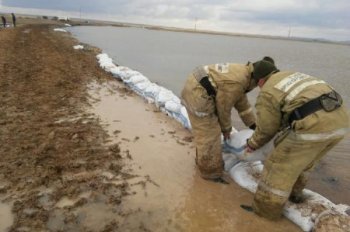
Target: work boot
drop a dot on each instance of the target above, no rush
(297, 199)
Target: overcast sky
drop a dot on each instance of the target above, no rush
(329, 19)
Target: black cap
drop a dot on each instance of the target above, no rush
(269, 59)
(263, 68)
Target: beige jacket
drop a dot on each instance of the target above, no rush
(230, 82)
(281, 94)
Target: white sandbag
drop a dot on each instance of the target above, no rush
(118, 71)
(175, 110)
(185, 121)
(173, 106)
(239, 139)
(59, 30)
(165, 95)
(134, 79)
(237, 144)
(247, 175)
(151, 92)
(78, 47)
(230, 160)
(104, 58)
(243, 174)
(140, 87)
(101, 56)
(127, 74)
(184, 112)
(105, 62)
(185, 117)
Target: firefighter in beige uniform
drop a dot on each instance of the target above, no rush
(309, 119)
(209, 94)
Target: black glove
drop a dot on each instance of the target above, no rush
(252, 127)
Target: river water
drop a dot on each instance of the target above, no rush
(167, 58)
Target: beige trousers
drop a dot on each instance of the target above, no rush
(285, 172)
(207, 136)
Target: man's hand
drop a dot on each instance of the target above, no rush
(247, 152)
(249, 149)
(227, 135)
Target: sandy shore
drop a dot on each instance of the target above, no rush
(81, 152)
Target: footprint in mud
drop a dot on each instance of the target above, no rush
(181, 143)
(128, 155)
(116, 132)
(188, 139)
(331, 180)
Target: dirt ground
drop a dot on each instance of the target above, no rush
(49, 147)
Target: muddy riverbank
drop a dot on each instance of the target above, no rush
(81, 152)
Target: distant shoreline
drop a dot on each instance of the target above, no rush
(94, 22)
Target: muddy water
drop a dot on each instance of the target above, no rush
(6, 217)
(174, 198)
(331, 177)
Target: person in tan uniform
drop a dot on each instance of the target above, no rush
(308, 119)
(209, 94)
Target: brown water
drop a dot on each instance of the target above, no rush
(175, 198)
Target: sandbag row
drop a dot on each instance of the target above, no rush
(163, 98)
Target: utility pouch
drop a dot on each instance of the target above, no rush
(331, 101)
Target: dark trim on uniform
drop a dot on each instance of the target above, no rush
(208, 86)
